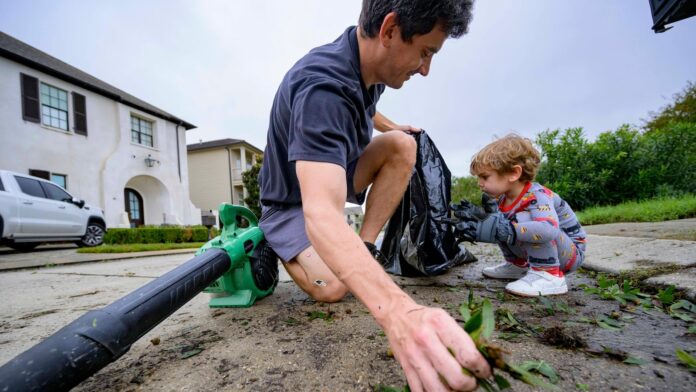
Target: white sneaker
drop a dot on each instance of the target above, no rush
(537, 283)
(505, 271)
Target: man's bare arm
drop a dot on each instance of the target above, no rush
(420, 337)
(383, 124)
(323, 190)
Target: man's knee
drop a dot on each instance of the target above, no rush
(330, 293)
(403, 148)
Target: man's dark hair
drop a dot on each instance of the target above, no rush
(417, 16)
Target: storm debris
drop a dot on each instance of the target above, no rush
(560, 337)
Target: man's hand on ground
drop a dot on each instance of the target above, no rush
(432, 349)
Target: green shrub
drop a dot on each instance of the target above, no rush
(200, 235)
(158, 235)
(187, 234)
(466, 188)
(620, 165)
(117, 236)
(173, 235)
(151, 236)
(567, 168)
(670, 159)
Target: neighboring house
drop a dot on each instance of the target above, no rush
(100, 143)
(215, 172)
(354, 217)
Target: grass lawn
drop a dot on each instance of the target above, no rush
(655, 210)
(127, 248)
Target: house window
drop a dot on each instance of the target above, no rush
(141, 131)
(60, 180)
(54, 107)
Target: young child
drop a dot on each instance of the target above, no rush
(538, 233)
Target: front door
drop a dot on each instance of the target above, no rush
(134, 207)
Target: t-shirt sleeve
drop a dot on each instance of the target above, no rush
(320, 124)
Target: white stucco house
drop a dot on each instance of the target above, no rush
(102, 144)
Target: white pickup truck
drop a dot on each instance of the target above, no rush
(34, 210)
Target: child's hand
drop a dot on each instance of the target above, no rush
(495, 228)
(489, 203)
(468, 211)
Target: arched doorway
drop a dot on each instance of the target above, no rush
(134, 207)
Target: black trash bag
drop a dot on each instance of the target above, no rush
(418, 239)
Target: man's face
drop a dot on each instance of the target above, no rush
(405, 59)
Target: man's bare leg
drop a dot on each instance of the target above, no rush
(310, 272)
(387, 164)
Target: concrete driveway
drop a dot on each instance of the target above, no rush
(279, 344)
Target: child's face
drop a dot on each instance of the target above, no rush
(489, 181)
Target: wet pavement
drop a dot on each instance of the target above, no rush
(277, 345)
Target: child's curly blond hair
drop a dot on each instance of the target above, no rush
(503, 154)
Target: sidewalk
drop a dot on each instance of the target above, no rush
(666, 261)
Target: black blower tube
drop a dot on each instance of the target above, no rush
(99, 337)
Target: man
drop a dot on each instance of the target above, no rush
(319, 155)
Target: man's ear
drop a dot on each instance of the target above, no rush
(389, 29)
(515, 174)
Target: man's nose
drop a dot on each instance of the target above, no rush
(424, 68)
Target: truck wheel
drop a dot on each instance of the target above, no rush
(23, 246)
(94, 235)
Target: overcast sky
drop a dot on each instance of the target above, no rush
(525, 66)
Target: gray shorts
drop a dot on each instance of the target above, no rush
(284, 226)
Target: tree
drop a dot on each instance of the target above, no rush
(683, 109)
(251, 183)
(568, 168)
(619, 165)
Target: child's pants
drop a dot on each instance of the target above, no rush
(560, 252)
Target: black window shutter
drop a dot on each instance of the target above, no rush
(40, 173)
(79, 114)
(30, 98)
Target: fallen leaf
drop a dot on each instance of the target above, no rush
(190, 353)
(635, 361)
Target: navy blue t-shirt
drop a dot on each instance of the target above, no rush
(321, 112)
